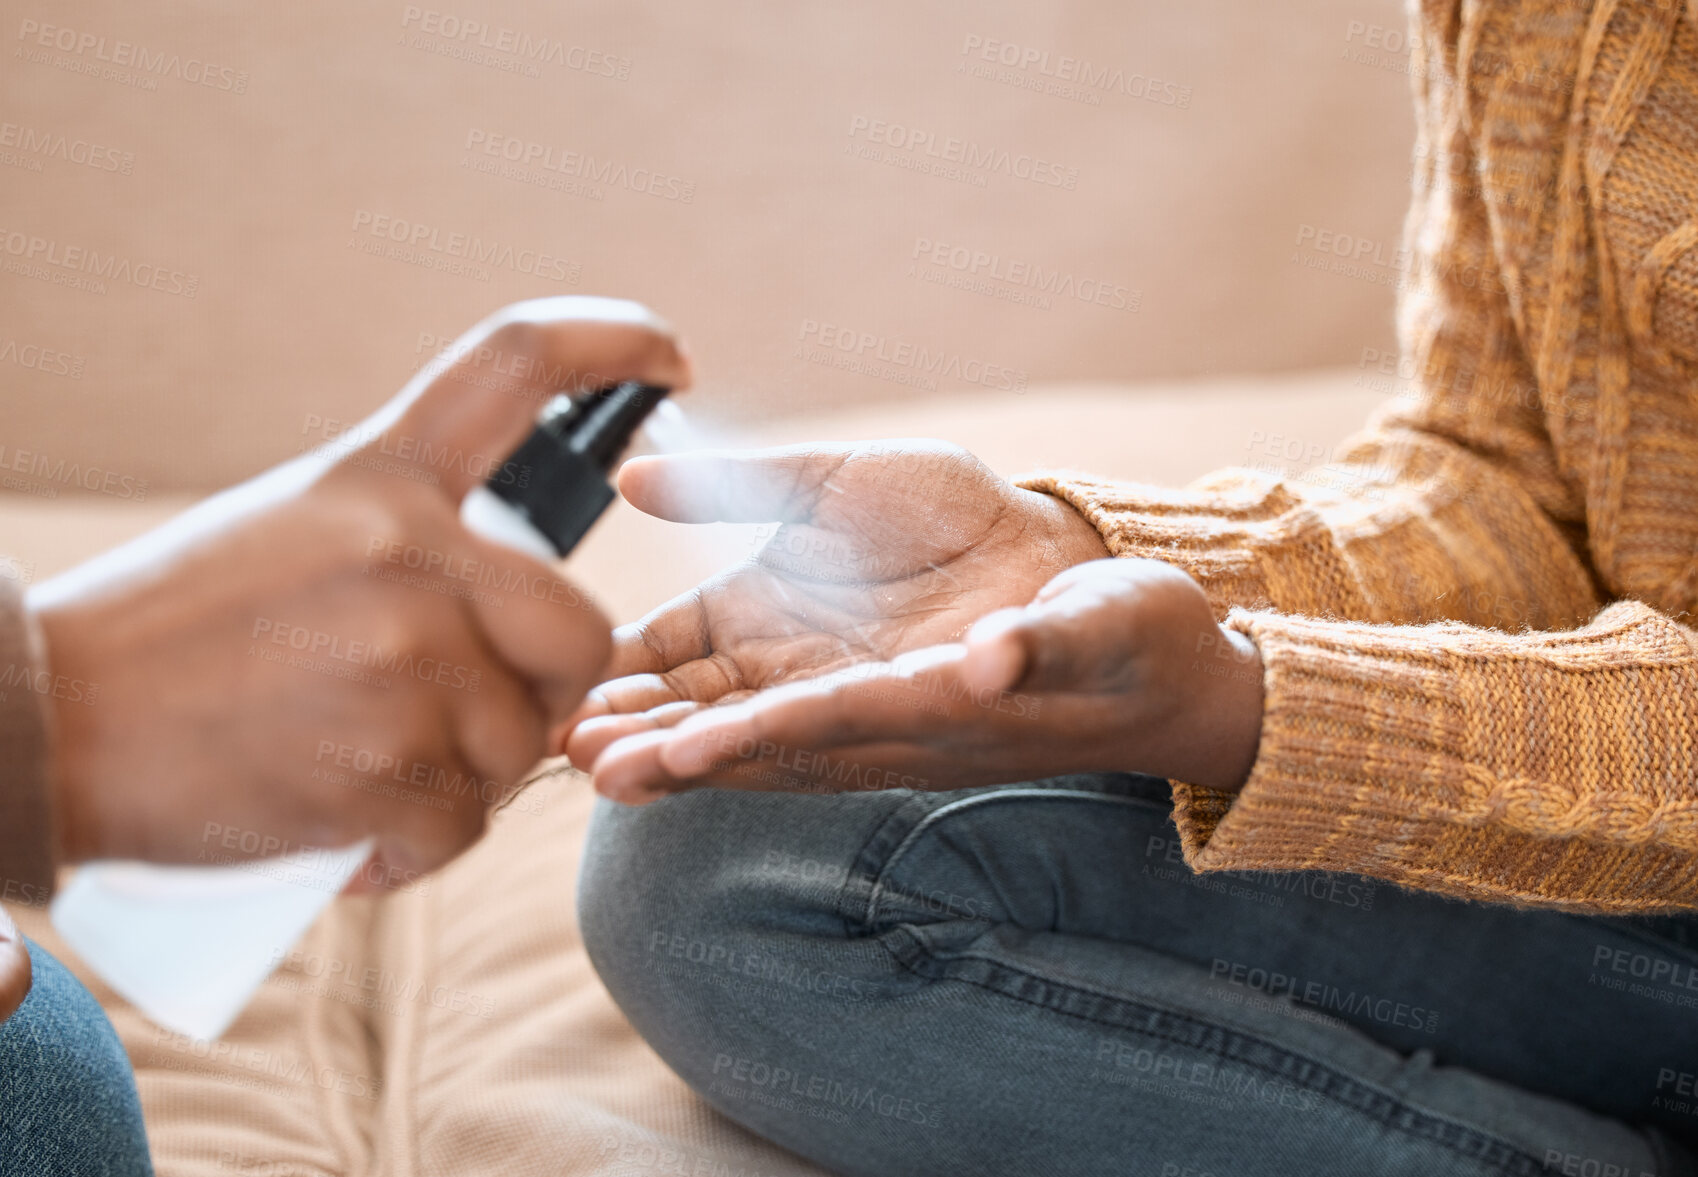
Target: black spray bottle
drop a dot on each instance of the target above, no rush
(546, 496)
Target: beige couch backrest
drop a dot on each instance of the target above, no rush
(224, 225)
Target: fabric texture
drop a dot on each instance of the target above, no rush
(1544, 468)
(27, 838)
(453, 1027)
(1026, 980)
(69, 1104)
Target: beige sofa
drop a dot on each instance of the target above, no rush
(836, 166)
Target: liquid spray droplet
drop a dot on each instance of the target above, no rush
(670, 430)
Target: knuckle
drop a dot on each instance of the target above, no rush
(517, 331)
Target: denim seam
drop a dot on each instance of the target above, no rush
(1392, 1112)
(1350, 1093)
(932, 816)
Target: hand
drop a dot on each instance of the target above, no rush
(1116, 665)
(883, 547)
(325, 652)
(14, 967)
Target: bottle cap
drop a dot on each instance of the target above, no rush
(557, 479)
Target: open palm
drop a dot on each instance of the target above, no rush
(882, 547)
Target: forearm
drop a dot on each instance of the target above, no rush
(1551, 769)
(1412, 528)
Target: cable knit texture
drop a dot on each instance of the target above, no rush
(1478, 680)
(26, 811)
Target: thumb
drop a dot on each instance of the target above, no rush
(1078, 634)
(456, 422)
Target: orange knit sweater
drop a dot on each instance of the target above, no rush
(1478, 681)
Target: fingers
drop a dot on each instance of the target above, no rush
(781, 485)
(540, 625)
(14, 967)
(998, 650)
(501, 732)
(633, 772)
(586, 741)
(914, 698)
(1080, 634)
(461, 417)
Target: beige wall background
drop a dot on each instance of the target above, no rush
(736, 165)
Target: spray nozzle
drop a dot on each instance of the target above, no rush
(557, 479)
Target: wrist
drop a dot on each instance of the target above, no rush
(1240, 709)
(1075, 538)
(1231, 715)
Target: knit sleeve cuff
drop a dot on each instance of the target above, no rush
(1244, 536)
(1535, 768)
(27, 832)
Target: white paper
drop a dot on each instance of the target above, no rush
(190, 945)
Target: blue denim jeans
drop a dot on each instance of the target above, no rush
(68, 1104)
(1028, 980)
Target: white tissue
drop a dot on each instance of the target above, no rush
(190, 945)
